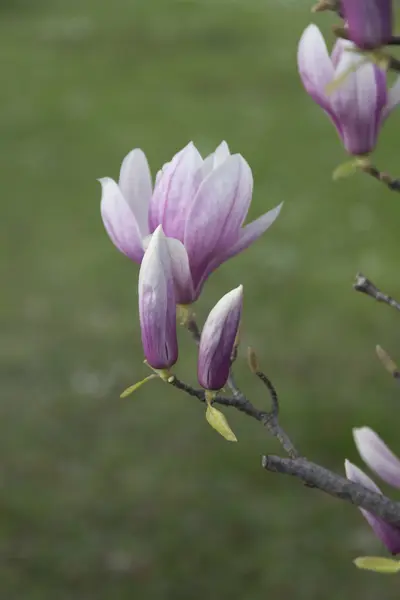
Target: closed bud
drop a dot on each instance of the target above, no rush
(157, 308)
(369, 22)
(217, 340)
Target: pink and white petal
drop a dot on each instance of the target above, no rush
(207, 166)
(219, 207)
(213, 160)
(221, 153)
(377, 455)
(337, 51)
(242, 198)
(315, 66)
(160, 172)
(387, 533)
(358, 102)
(119, 221)
(364, 88)
(251, 232)
(175, 191)
(182, 277)
(247, 235)
(393, 98)
(136, 187)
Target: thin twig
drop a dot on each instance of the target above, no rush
(335, 485)
(365, 285)
(309, 473)
(193, 328)
(272, 392)
(388, 180)
(272, 421)
(333, 5)
(241, 403)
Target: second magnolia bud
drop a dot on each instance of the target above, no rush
(217, 341)
(369, 22)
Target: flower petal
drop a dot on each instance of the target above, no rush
(119, 221)
(157, 308)
(359, 101)
(175, 191)
(135, 185)
(393, 98)
(387, 533)
(221, 153)
(247, 235)
(216, 158)
(315, 66)
(184, 293)
(217, 213)
(377, 455)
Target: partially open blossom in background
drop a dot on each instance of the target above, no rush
(157, 308)
(359, 104)
(201, 204)
(377, 455)
(217, 340)
(369, 22)
(387, 533)
(386, 465)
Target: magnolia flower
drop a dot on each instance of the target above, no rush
(359, 105)
(369, 22)
(387, 533)
(157, 308)
(201, 204)
(377, 455)
(217, 340)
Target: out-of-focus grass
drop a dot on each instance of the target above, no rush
(103, 498)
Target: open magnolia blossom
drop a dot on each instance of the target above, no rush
(200, 203)
(369, 22)
(359, 104)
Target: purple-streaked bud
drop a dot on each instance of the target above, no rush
(370, 22)
(377, 455)
(217, 340)
(359, 105)
(387, 533)
(157, 308)
(201, 204)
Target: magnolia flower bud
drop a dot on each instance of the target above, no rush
(369, 22)
(157, 308)
(217, 341)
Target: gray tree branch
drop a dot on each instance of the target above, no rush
(335, 485)
(311, 474)
(366, 286)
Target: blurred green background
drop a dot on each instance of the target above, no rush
(103, 498)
